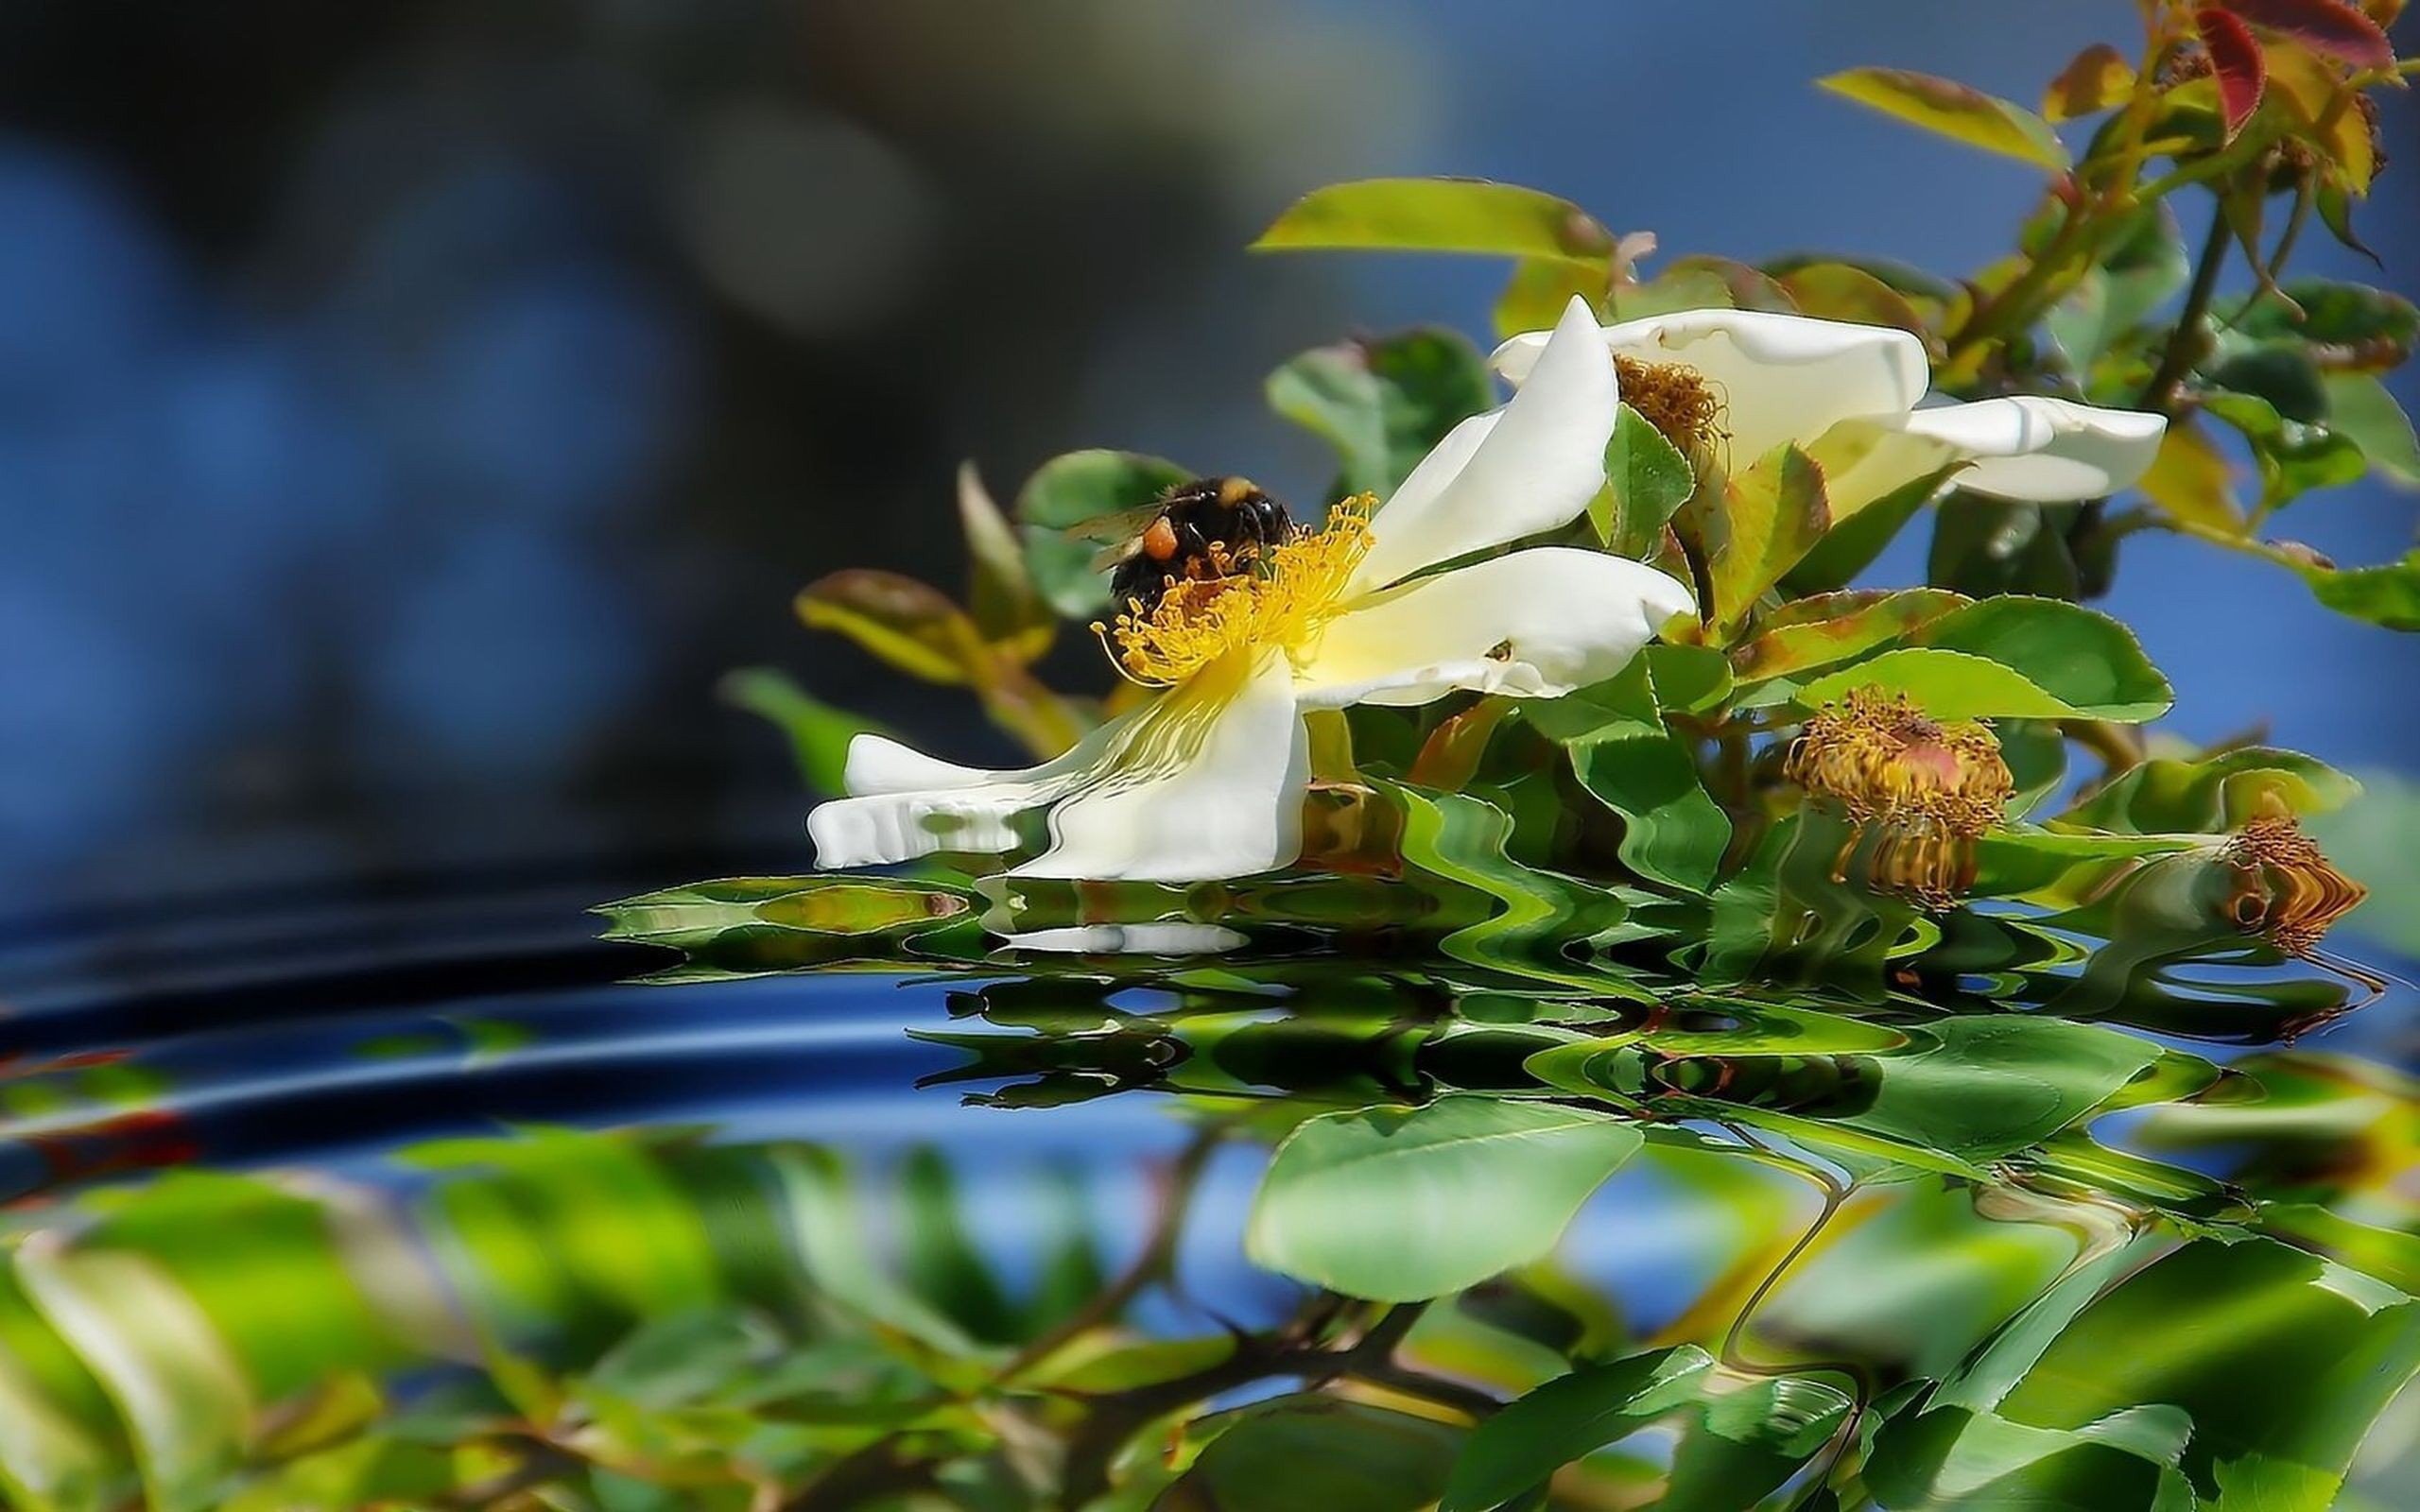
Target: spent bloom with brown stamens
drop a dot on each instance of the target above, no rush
(2287, 892)
(1930, 787)
(1673, 398)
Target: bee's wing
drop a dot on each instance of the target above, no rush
(1120, 526)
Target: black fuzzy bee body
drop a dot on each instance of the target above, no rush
(1209, 527)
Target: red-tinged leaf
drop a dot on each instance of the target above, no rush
(2330, 27)
(2234, 58)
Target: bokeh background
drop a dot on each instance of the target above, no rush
(409, 411)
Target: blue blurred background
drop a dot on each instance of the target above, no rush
(408, 411)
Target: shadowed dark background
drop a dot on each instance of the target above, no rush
(408, 412)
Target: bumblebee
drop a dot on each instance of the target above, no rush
(1210, 527)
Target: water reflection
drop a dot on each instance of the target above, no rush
(1447, 1215)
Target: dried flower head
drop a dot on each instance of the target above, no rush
(1929, 787)
(1674, 398)
(2286, 891)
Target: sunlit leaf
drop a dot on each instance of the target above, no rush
(1440, 216)
(2189, 480)
(1771, 515)
(2095, 80)
(1841, 291)
(2088, 660)
(1816, 631)
(1405, 1204)
(1956, 111)
(2387, 594)
(1673, 831)
(2167, 796)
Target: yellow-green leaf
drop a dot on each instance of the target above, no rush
(912, 626)
(2189, 479)
(1771, 515)
(1000, 593)
(1441, 215)
(2095, 80)
(1956, 111)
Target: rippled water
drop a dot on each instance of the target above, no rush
(430, 1203)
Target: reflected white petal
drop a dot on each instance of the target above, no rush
(1205, 783)
(1168, 936)
(2051, 451)
(1534, 624)
(1530, 466)
(1780, 377)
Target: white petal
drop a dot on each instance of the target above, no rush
(1168, 936)
(2052, 451)
(1780, 377)
(1530, 466)
(1537, 624)
(1207, 783)
(903, 803)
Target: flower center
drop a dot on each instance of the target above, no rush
(1930, 789)
(1281, 597)
(1880, 758)
(1675, 399)
(2287, 892)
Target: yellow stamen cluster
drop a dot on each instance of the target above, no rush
(2287, 892)
(1675, 399)
(1281, 597)
(1930, 787)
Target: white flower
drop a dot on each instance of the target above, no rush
(1207, 781)
(1849, 394)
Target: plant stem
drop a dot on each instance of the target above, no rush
(1106, 1305)
(2184, 342)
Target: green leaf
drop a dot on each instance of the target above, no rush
(1990, 1086)
(2336, 314)
(1771, 515)
(1309, 1450)
(1406, 1204)
(912, 626)
(1982, 546)
(2359, 408)
(2083, 657)
(1747, 1438)
(1672, 832)
(820, 733)
(1440, 216)
(1383, 405)
(2280, 1360)
(1517, 1450)
(1944, 684)
(1952, 110)
(2212, 797)
(1647, 478)
(2142, 269)
(1072, 490)
(2387, 594)
(1008, 609)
